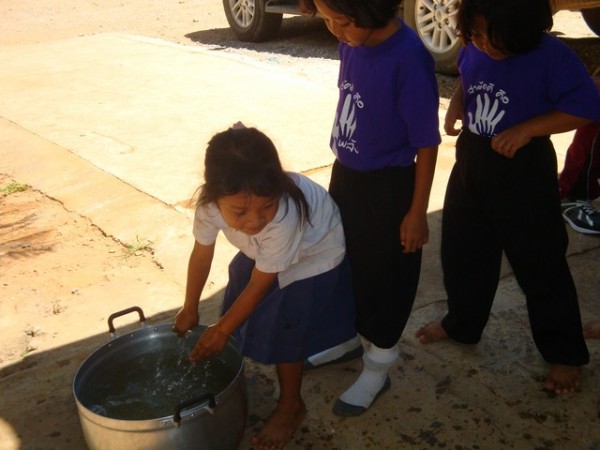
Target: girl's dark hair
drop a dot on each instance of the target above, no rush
(364, 13)
(514, 26)
(245, 160)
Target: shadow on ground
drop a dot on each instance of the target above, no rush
(443, 396)
(300, 37)
(37, 402)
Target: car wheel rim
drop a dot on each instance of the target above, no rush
(436, 23)
(242, 12)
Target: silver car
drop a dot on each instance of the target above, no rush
(434, 21)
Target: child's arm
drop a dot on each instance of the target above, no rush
(214, 339)
(455, 111)
(197, 274)
(509, 141)
(414, 232)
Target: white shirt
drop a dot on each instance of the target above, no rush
(294, 251)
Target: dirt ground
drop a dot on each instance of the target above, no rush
(56, 266)
(51, 259)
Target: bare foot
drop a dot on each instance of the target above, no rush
(563, 379)
(431, 332)
(591, 330)
(280, 427)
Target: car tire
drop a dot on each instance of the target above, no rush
(249, 21)
(592, 18)
(435, 23)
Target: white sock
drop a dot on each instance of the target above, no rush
(377, 362)
(334, 352)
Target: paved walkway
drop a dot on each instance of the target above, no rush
(114, 127)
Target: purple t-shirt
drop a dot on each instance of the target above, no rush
(500, 94)
(388, 104)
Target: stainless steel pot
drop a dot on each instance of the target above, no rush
(208, 421)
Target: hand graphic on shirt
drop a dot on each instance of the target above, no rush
(346, 123)
(486, 116)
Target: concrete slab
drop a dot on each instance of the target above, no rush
(123, 120)
(143, 109)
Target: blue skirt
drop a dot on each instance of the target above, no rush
(293, 323)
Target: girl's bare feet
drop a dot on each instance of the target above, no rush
(591, 330)
(431, 332)
(280, 427)
(563, 379)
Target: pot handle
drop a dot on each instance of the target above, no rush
(113, 316)
(211, 406)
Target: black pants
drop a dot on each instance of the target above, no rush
(495, 204)
(372, 205)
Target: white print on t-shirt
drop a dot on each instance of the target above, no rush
(346, 121)
(487, 114)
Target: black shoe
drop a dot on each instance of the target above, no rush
(348, 356)
(583, 218)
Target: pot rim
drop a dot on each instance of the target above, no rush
(96, 358)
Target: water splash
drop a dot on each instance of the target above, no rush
(152, 384)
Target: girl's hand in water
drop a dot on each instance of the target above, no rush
(185, 321)
(212, 341)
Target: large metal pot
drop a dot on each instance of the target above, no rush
(205, 420)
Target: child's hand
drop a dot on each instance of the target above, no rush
(454, 114)
(185, 321)
(509, 141)
(212, 341)
(414, 232)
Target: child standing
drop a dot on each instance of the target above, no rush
(387, 116)
(289, 294)
(518, 85)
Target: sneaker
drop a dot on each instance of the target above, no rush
(567, 203)
(346, 357)
(583, 218)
